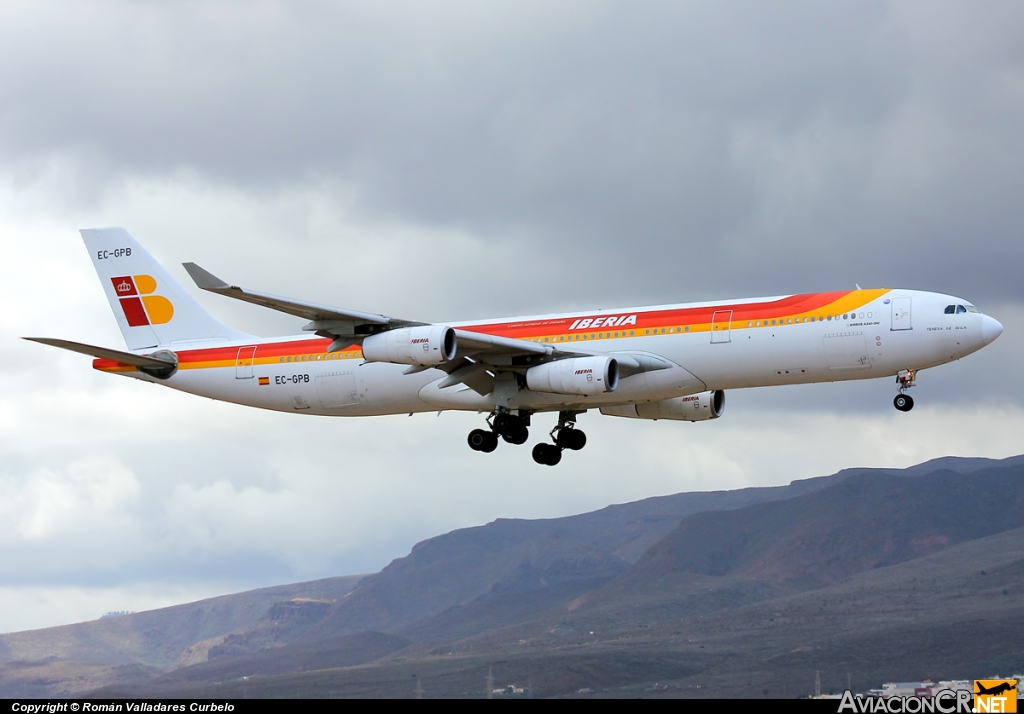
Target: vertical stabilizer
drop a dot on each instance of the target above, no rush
(151, 307)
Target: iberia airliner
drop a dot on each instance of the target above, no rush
(659, 362)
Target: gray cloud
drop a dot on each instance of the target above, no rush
(717, 149)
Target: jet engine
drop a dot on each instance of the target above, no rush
(693, 407)
(424, 345)
(580, 375)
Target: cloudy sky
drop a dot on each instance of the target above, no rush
(444, 161)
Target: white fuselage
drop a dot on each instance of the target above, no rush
(827, 337)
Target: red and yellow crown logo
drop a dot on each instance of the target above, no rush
(139, 305)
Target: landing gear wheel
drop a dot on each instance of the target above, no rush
(571, 439)
(903, 402)
(547, 454)
(480, 440)
(491, 444)
(516, 436)
(504, 422)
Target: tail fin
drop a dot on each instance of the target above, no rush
(151, 307)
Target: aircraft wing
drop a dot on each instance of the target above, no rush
(477, 342)
(480, 355)
(309, 310)
(340, 323)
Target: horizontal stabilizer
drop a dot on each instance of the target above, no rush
(104, 353)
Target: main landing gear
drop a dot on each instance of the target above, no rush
(906, 379)
(565, 436)
(513, 428)
(510, 427)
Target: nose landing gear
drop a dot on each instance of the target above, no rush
(906, 379)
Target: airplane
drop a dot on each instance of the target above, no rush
(996, 689)
(661, 362)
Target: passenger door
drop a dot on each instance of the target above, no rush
(721, 326)
(901, 313)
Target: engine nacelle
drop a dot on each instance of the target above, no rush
(693, 407)
(424, 345)
(580, 375)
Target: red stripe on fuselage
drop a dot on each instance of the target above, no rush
(782, 307)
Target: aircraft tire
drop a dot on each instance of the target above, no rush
(491, 442)
(547, 454)
(504, 422)
(571, 439)
(903, 402)
(516, 436)
(478, 439)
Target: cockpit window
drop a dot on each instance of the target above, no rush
(960, 309)
(950, 309)
(971, 308)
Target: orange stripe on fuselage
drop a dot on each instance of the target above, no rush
(697, 319)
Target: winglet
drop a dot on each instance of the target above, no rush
(204, 278)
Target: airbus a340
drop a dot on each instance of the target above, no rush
(660, 362)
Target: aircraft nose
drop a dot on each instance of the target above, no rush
(990, 328)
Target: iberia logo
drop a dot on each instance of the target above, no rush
(995, 695)
(139, 305)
